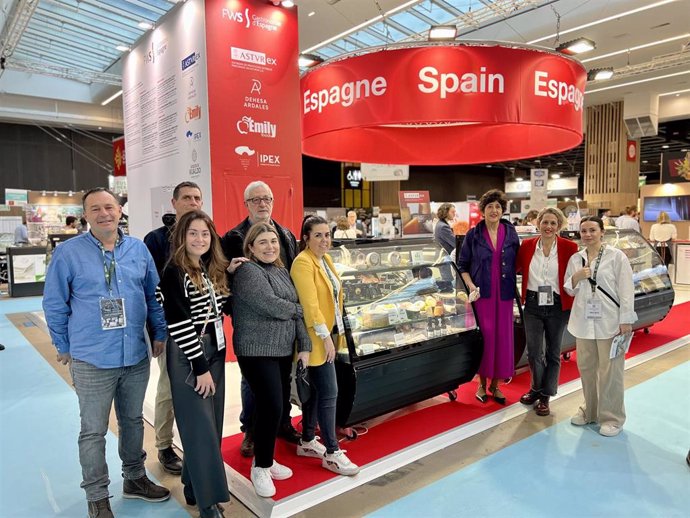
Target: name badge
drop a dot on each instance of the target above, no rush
(593, 309)
(112, 313)
(545, 295)
(220, 336)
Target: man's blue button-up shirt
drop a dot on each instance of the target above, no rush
(75, 283)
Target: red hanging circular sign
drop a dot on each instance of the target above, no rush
(431, 104)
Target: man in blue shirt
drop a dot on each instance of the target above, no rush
(100, 292)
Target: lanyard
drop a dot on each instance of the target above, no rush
(212, 303)
(108, 269)
(593, 279)
(546, 259)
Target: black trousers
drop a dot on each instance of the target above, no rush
(200, 423)
(269, 379)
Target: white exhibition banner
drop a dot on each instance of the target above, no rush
(539, 191)
(384, 172)
(165, 99)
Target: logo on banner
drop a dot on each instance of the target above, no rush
(193, 136)
(248, 125)
(247, 20)
(191, 94)
(251, 59)
(256, 87)
(194, 168)
(255, 102)
(190, 60)
(245, 153)
(268, 160)
(155, 52)
(192, 112)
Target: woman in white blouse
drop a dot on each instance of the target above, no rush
(661, 235)
(600, 279)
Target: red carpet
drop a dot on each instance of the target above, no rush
(401, 432)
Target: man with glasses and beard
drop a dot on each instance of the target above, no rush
(258, 198)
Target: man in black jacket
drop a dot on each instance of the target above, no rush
(258, 198)
(186, 198)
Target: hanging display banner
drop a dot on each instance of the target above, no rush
(539, 193)
(415, 212)
(385, 172)
(675, 167)
(253, 86)
(119, 158)
(455, 103)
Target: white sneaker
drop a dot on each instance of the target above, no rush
(312, 448)
(579, 419)
(337, 462)
(263, 483)
(279, 472)
(609, 430)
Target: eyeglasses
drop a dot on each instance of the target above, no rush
(257, 201)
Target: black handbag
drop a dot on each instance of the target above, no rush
(302, 382)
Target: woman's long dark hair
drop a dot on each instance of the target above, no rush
(214, 260)
(308, 223)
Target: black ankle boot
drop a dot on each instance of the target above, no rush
(210, 512)
(189, 495)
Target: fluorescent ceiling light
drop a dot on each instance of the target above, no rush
(675, 92)
(665, 146)
(146, 25)
(637, 82)
(638, 47)
(287, 3)
(555, 176)
(122, 48)
(112, 98)
(577, 46)
(442, 32)
(518, 179)
(311, 13)
(603, 20)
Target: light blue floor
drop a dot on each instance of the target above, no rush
(568, 471)
(39, 425)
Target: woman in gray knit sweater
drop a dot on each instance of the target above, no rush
(267, 319)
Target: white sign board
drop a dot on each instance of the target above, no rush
(384, 172)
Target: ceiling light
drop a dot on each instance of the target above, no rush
(309, 60)
(43, 193)
(122, 48)
(577, 46)
(54, 193)
(675, 92)
(518, 179)
(559, 163)
(287, 4)
(70, 194)
(145, 25)
(603, 20)
(555, 176)
(637, 82)
(112, 98)
(665, 146)
(637, 47)
(311, 13)
(599, 74)
(442, 32)
(645, 161)
(683, 150)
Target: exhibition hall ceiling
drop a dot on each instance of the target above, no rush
(66, 51)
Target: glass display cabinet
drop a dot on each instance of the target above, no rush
(411, 332)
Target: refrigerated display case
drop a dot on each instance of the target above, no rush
(411, 333)
(653, 288)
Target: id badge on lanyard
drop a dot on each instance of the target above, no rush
(217, 324)
(220, 336)
(545, 295)
(594, 309)
(112, 309)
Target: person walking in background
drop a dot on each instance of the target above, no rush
(443, 233)
(601, 280)
(343, 229)
(542, 261)
(662, 235)
(321, 295)
(487, 265)
(70, 225)
(267, 320)
(258, 199)
(354, 223)
(194, 290)
(531, 218)
(100, 293)
(629, 219)
(21, 233)
(186, 197)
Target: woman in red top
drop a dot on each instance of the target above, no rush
(542, 261)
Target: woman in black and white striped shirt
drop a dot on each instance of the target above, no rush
(194, 290)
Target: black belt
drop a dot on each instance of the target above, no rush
(531, 293)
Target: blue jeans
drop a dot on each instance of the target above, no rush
(324, 395)
(544, 332)
(96, 389)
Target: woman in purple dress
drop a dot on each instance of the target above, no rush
(487, 265)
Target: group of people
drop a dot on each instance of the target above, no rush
(104, 288)
(591, 291)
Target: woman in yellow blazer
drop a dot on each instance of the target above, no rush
(321, 296)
